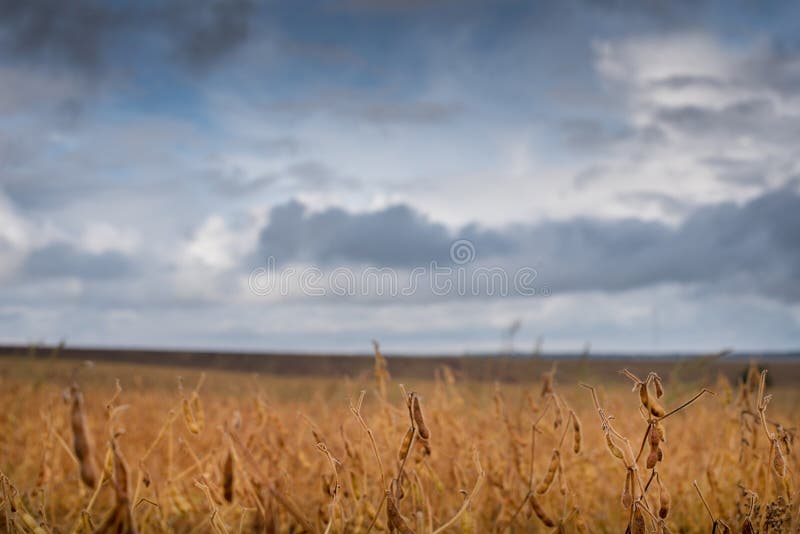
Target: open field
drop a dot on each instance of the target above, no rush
(178, 449)
(784, 367)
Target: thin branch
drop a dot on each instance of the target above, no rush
(644, 441)
(685, 404)
(469, 498)
(705, 503)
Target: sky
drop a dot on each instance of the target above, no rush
(445, 176)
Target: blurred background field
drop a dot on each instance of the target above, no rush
(785, 367)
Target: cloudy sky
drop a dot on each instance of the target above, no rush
(163, 166)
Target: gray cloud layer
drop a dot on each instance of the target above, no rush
(79, 33)
(85, 33)
(755, 246)
(63, 260)
(394, 236)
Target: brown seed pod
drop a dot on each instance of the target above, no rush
(558, 416)
(179, 500)
(81, 442)
(656, 409)
(120, 519)
(638, 525)
(664, 502)
(108, 467)
(659, 387)
(396, 521)
(652, 458)
(188, 417)
(785, 439)
(644, 395)
(399, 492)
(227, 477)
(536, 506)
(544, 484)
(547, 383)
(467, 522)
(405, 444)
(355, 483)
(616, 451)
(648, 402)
(562, 479)
(327, 484)
(627, 498)
(576, 433)
(661, 431)
(120, 473)
(778, 461)
(747, 526)
(419, 420)
(423, 449)
(31, 523)
(654, 437)
(197, 410)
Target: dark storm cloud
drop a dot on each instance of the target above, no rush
(51, 29)
(82, 32)
(206, 32)
(756, 245)
(93, 33)
(58, 260)
(664, 11)
(394, 236)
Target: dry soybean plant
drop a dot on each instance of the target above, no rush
(570, 512)
(371, 455)
(634, 496)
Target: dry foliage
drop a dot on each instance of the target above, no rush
(241, 453)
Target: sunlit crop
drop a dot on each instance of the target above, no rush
(113, 448)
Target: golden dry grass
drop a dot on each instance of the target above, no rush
(232, 452)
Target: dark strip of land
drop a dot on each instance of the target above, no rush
(784, 367)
